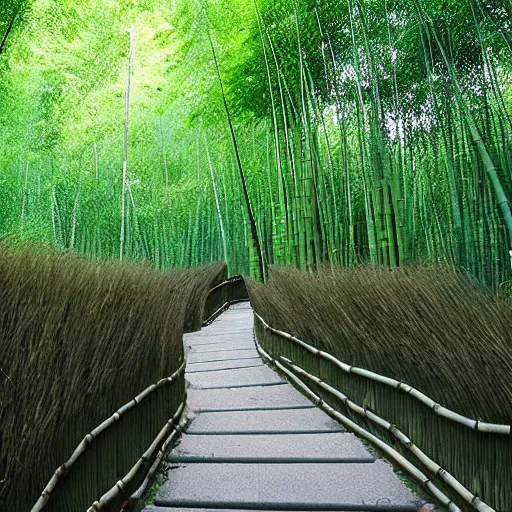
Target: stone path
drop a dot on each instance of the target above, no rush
(255, 443)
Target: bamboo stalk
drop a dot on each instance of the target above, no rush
(487, 161)
(254, 231)
(491, 428)
(63, 470)
(14, 15)
(219, 213)
(122, 235)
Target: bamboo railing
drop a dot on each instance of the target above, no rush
(132, 441)
(474, 458)
(231, 291)
(112, 447)
(124, 488)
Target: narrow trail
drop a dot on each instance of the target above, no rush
(256, 443)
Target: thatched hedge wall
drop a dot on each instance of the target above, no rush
(78, 340)
(436, 330)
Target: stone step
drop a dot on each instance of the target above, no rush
(221, 355)
(237, 365)
(258, 396)
(334, 447)
(370, 487)
(236, 377)
(216, 334)
(152, 508)
(223, 365)
(220, 347)
(261, 422)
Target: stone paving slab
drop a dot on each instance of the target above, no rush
(293, 420)
(221, 332)
(230, 327)
(218, 334)
(337, 446)
(218, 347)
(152, 508)
(216, 359)
(196, 343)
(236, 377)
(233, 314)
(235, 321)
(258, 396)
(224, 365)
(344, 486)
(232, 324)
(222, 355)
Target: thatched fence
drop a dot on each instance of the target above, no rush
(465, 450)
(91, 375)
(231, 291)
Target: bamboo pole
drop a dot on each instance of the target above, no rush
(432, 466)
(252, 221)
(217, 204)
(390, 452)
(216, 314)
(125, 145)
(480, 426)
(24, 199)
(10, 27)
(231, 280)
(119, 491)
(487, 160)
(63, 470)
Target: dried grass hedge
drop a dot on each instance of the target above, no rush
(440, 331)
(78, 339)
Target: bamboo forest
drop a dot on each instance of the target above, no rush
(320, 190)
(287, 131)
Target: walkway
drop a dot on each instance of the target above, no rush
(255, 443)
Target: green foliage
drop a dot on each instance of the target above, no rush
(352, 119)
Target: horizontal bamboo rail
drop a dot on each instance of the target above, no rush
(63, 470)
(432, 466)
(480, 426)
(216, 314)
(390, 452)
(137, 495)
(225, 299)
(168, 432)
(231, 280)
